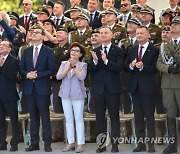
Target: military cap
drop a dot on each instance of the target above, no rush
(103, 13)
(95, 31)
(84, 15)
(136, 21)
(50, 21)
(75, 7)
(112, 10)
(13, 15)
(167, 11)
(148, 10)
(166, 28)
(49, 3)
(42, 10)
(61, 28)
(36, 26)
(136, 7)
(176, 20)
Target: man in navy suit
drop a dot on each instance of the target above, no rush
(105, 66)
(95, 17)
(141, 63)
(9, 67)
(37, 65)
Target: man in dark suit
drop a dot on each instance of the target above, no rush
(141, 63)
(8, 95)
(105, 66)
(95, 17)
(24, 20)
(37, 65)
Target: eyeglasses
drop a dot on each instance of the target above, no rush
(124, 5)
(25, 4)
(73, 50)
(35, 32)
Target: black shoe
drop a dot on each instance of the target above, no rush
(33, 148)
(14, 148)
(172, 148)
(114, 148)
(140, 148)
(3, 147)
(100, 150)
(91, 140)
(151, 148)
(47, 148)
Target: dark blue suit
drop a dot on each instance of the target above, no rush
(142, 86)
(8, 99)
(38, 91)
(106, 89)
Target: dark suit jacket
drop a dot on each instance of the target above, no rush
(145, 79)
(8, 78)
(21, 20)
(107, 75)
(96, 23)
(45, 68)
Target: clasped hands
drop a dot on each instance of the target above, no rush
(32, 75)
(138, 64)
(95, 58)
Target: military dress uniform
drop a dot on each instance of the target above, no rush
(169, 65)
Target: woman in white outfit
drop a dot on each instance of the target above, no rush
(73, 92)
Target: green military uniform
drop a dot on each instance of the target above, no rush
(82, 39)
(155, 32)
(119, 33)
(70, 26)
(170, 83)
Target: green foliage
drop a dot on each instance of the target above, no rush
(15, 5)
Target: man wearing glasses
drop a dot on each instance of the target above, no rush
(37, 65)
(8, 95)
(126, 12)
(27, 6)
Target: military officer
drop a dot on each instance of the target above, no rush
(119, 32)
(82, 34)
(74, 11)
(135, 8)
(168, 64)
(61, 54)
(146, 15)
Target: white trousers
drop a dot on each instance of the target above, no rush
(73, 109)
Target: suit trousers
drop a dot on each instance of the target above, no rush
(110, 101)
(8, 109)
(73, 109)
(38, 106)
(144, 107)
(171, 101)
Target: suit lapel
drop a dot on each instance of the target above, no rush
(147, 52)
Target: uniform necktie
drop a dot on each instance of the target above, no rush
(81, 33)
(140, 53)
(175, 43)
(26, 22)
(91, 18)
(131, 41)
(105, 50)
(35, 56)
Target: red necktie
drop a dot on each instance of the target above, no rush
(26, 22)
(35, 56)
(140, 53)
